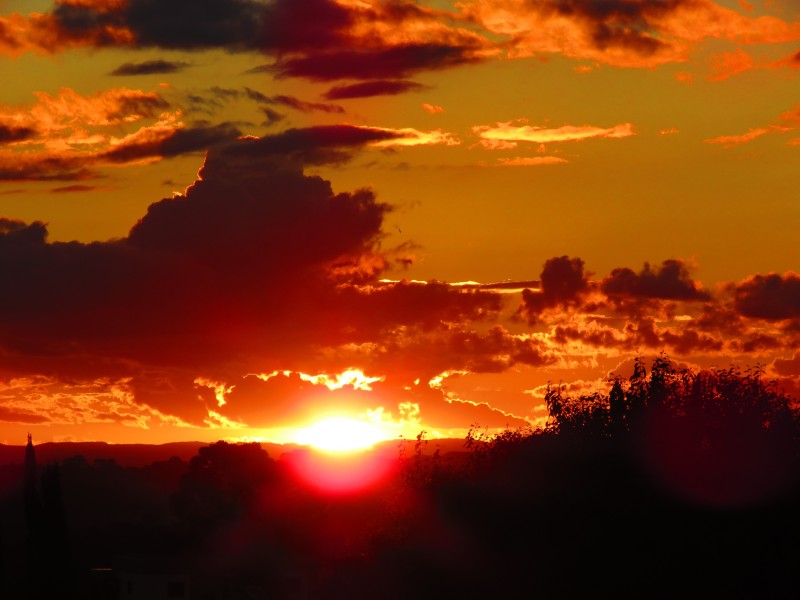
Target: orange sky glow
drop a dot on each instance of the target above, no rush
(238, 222)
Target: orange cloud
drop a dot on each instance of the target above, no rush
(408, 136)
(790, 118)
(506, 135)
(46, 34)
(432, 109)
(69, 110)
(384, 42)
(530, 161)
(728, 64)
(68, 133)
(47, 400)
(786, 122)
(695, 20)
(577, 30)
(744, 138)
(624, 33)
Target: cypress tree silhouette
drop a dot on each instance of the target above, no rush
(49, 569)
(33, 502)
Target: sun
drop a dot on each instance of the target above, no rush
(340, 434)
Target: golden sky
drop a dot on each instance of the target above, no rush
(230, 218)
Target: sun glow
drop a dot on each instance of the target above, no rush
(341, 459)
(340, 434)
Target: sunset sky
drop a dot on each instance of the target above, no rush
(229, 219)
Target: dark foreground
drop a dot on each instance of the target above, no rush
(610, 501)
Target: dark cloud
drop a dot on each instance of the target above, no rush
(603, 337)
(772, 297)
(322, 144)
(756, 342)
(637, 334)
(224, 280)
(225, 94)
(316, 39)
(235, 25)
(563, 280)
(9, 133)
(70, 189)
(623, 24)
(563, 283)
(619, 23)
(138, 105)
(255, 267)
(327, 46)
(180, 141)
(270, 68)
(311, 146)
(627, 12)
(271, 116)
(49, 168)
(214, 226)
(150, 67)
(195, 24)
(682, 342)
(721, 318)
(306, 25)
(368, 89)
(304, 106)
(670, 281)
(249, 92)
(494, 352)
(15, 232)
(381, 63)
(258, 266)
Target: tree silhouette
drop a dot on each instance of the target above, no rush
(221, 484)
(724, 436)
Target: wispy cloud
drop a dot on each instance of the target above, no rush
(507, 135)
(150, 67)
(788, 121)
(368, 89)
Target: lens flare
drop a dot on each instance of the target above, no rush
(341, 458)
(341, 472)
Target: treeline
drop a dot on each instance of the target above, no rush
(673, 483)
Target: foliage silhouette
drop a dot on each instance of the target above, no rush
(221, 483)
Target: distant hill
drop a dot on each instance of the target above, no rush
(138, 455)
(126, 455)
